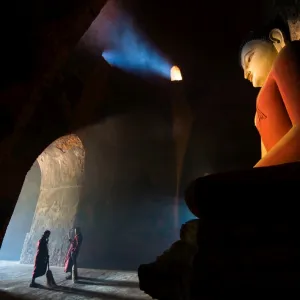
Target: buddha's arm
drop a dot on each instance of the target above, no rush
(287, 77)
(285, 151)
(263, 149)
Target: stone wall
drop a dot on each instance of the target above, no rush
(290, 11)
(127, 208)
(62, 167)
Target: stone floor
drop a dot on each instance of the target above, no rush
(92, 284)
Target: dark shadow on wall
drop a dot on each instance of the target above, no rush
(126, 205)
(21, 219)
(129, 177)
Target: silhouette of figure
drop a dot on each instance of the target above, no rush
(72, 254)
(41, 258)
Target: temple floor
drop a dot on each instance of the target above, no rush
(92, 284)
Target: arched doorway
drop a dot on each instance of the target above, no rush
(21, 219)
(62, 167)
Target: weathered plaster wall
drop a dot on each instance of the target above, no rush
(290, 11)
(62, 167)
(127, 205)
(21, 219)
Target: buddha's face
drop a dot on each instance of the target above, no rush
(257, 58)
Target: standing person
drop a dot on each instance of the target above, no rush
(71, 257)
(41, 258)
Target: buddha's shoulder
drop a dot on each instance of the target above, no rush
(291, 50)
(288, 61)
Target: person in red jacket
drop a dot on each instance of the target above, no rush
(72, 254)
(41, 258)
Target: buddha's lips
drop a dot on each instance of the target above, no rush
(250, 77)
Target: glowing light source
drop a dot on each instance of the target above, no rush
(175, 74)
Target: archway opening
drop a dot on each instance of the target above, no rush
(48, 200)
(62, 167)
(21, 219)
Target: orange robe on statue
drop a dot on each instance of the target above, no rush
(278, 106)
(278, 122)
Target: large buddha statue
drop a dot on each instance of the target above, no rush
(249, 216)
(271, 62)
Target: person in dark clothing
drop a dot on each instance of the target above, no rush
(72, 254)
(41, 258)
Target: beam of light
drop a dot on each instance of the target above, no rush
(129, 50)
(175, 74)
(182, 127)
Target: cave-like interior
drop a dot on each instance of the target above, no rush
(95, 135)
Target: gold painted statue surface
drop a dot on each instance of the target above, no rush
(271, 62)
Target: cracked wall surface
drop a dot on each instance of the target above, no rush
(62, 168)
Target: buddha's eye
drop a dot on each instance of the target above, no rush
(250, 57)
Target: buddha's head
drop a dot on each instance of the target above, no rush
(260, 50)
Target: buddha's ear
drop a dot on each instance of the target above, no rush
(277, 38)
